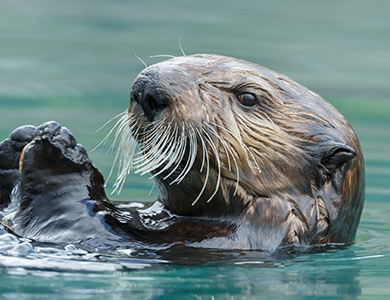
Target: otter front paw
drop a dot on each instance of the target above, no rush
(10, 150)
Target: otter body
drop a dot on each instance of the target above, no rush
(243, 157)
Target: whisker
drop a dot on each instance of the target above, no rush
(104, 140)
(162, 55)
(151, 190)
(178, 153)
(121, 126)
(212, 145)
(227, 150)
(154, 155)
(253, 157)
(139, 58)
(163, 155)
(204, 150)
(207, 167)
(126, 151)
(170, 144)
(125, 123)
(180, 45)
(150, 136)
(242, 144)
(150, 147)
(212, 130)
(171, 154)
(181, 153)
(191, 155)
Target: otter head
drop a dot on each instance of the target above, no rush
(225, 137)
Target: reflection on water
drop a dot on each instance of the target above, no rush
(53, 269)
(190, 273)
(74, 62)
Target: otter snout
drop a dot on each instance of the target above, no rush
(148, 92)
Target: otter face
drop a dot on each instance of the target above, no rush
(220, 134)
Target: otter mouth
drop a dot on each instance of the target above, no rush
(172, 152)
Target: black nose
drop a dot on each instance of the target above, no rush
(149, 93)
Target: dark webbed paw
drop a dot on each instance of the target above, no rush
(11, 147)
(56, 133)
(54, 144)
(10, 150)
(61, 192)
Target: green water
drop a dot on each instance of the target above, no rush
(74, 62)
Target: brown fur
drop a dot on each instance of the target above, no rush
(287, 171)
(310, 182)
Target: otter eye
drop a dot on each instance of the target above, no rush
(247, 99)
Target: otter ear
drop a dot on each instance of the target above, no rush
(334, 154)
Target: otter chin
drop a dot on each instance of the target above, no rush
(243, 158)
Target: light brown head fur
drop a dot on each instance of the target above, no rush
(289, 166)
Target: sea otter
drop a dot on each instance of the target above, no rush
(243, 158)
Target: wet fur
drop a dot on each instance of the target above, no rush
(288, 172)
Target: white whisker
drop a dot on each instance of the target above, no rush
(139, 58)
(162, 155)
(191, 155)
(166, 146)
(227, 151)
(150, 136)
(151, 190)
(212, 145)
(151, 152)
(253, 157)
(181, 46)
(205, 153)
(177, 154)
(162, 55)
(241, 143)
(170, 153)
(127, 134)
(212, 130)
(181, 153)
(121, 124)
(104, 140)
